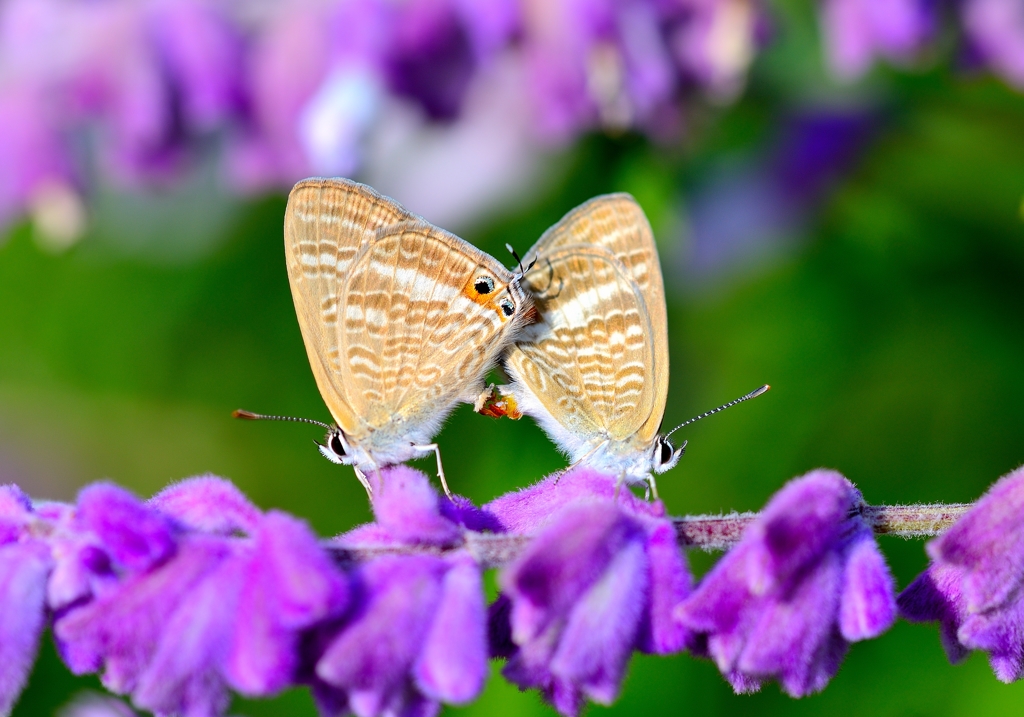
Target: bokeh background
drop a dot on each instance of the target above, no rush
(837, 189)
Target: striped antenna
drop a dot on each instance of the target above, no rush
(250, 416)
(753, 394)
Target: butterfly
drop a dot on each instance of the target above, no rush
(400, 319)
(593, 370)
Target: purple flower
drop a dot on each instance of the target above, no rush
(24, 566)
(858, 31)
(598, 581)
(179, 615)
(714, 42)
(33, 151)
(806, 580)
(973, 586)
(996, 32)
(417, 633)
(596, 62)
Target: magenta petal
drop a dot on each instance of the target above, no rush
(670, 584)
(289, 583)
(209, 504)
(934, 596)
(15, 512)
(601, 631)
(453, 664)
(868, 605)
(23, 571)
(561, 563)
(202, 52)
(121, 629)
(406, 506)
(183, 676)
(772, 606)
(373, 653)
(136, 536)
(988, 541)
(794, 638)
(1002, 636)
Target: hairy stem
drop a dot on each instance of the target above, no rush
(707, 532)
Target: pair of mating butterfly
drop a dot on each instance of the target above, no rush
(402, 320)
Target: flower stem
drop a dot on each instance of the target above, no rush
(707, 532)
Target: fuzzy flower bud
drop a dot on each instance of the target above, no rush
(597, 582)
(806, 580)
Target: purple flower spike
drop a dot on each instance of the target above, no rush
(805, 580)
(973, 587)
(599, 580)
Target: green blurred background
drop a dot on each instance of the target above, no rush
(890, 323)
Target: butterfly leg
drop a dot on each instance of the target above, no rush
(652, 487)
(618, 485)
(575, 464)
(362, 479)
(440, 469)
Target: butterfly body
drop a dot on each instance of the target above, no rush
(400, 319)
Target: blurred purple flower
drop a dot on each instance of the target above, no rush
(34, 152)
(417, 635)
(806, 580)
(312, 80)
(24, 566)
(857, 31)
(995, 29)
(751, 209)
(599, 580)
(973, 587)
(714, 42)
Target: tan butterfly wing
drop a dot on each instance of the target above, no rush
(394, 326)
(615, 383)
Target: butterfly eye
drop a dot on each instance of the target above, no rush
(507, 307)
(484, 285)
(666, 452)
(336, 445)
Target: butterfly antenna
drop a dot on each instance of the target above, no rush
(250, 416)
(515, 255)
(753, 394)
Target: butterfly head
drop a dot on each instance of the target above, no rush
(665, 456)
(335, 448)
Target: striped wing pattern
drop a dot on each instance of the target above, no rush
(589, 358)
(395, 327)
(597, 361)
(617, 224)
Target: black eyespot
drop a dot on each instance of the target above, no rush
(484, 285)
(336, 445)
(666, 452)
(507, 307)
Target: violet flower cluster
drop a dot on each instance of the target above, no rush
(180, 600)
(136, 89)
